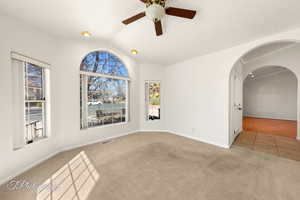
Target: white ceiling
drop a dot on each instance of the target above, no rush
(265, 50)
(218, 24)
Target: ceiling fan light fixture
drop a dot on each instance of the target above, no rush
(155, 12)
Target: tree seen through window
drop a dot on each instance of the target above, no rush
(104, 90)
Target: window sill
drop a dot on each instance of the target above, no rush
(34, 142)
(105, 126)
(38, 140)
(153, 120)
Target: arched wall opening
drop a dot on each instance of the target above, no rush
(270, 101)
(287, 50)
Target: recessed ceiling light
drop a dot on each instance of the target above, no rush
(86, 34)
(134, 51)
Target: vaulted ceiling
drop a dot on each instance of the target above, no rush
(218, 24)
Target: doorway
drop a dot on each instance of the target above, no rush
(263, 114)
(270, 102)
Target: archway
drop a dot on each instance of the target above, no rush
(241, 69)
(270, 101)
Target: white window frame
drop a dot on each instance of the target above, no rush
(84, 106)
(147, 83)
(19, 100)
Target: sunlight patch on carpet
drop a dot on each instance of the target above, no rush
(74, 181)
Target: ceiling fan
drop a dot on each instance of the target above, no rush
(156, 10)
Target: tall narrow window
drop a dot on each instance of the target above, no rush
(104, 86)
(152, 96)
(35, 100)
(30, 100)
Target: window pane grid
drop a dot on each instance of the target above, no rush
(35, 122)
(35, 103)
(106, 101)
(103, 90)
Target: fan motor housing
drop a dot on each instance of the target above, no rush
(160, 2)
(155, 12)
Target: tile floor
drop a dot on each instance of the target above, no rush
(280, 146)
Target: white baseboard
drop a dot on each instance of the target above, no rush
(154, 131)
(60, 151)
(186, 136)
(102, 140)
(199, 140)
(28, 167)
(96, 141)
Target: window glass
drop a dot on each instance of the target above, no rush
(103, 100)
(153, 100)
(34, 103)
(34, 117)
(104, 63)
(33, 82)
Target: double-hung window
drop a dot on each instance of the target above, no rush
(31, 102)
(104, 90)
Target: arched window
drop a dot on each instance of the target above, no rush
(104, 82)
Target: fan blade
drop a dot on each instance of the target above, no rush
(158, 28)
(178, 12)
(134, 18)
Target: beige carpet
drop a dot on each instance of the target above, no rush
(160, 166)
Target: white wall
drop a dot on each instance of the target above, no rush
(19, 38)
(154, 72)
(70, 135)
(197, 100)
(197, 91)
(65, 57)
(288, 58)
(273, 96)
